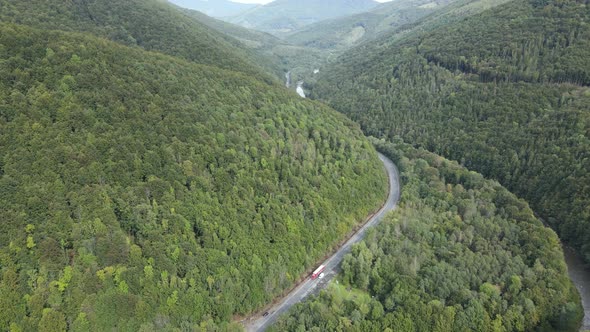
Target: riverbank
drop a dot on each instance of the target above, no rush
(579, 273)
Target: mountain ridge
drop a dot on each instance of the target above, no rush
(217, 8)
(282, 16)
(147, 24)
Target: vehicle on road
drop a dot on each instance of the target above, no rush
(310, 285)
(265, 314)
(321, 276)
(318, 271)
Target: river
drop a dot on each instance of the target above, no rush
(580, 274)
(299, 90)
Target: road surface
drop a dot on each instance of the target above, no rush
(309, 286)
(580, 274)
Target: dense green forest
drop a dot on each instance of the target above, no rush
(141, 192)
(396, 18)
(153, 25)
(276, 55)
(504, 92)
(344, 32)
(325, 40)
(155, 175)
(460, 253)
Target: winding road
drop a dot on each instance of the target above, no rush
(309, 286)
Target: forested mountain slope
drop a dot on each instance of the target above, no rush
(505, 92)
(350, 30)
(283, 16)
(460, 253)
(327, 39)
(151, 24)
(276, 55)
(266, 46)
(251, 38)
(399, 17)
(142, 192)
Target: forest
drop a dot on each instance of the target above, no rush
(461, 253)
(141, 192)
(504, 92)
(156, 175)
(152, 25)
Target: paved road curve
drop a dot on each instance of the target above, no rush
(309, 286)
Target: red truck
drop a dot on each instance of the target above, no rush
(318, 271)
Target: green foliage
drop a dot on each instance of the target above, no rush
(459, 254)
(150, 24)
(342, 33)
(52, 321)
(316, 45)
(504, 92)
(140, 191)
(265, 48)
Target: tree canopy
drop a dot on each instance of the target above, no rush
(140, 191)
(504, 92)
(460, 253)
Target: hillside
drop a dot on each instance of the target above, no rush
(153, 25)
(505, 92)
(217, 8)
(249, 38)
(141, 192)
(460, 253)
(328, 39)
(398, 17)
(345, 32)
(262, 48)
(283, 16)
(276, 55)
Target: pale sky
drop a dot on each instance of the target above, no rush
(267, 1)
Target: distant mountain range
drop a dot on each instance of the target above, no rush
(215, 8)
(279, 17)
(344, 32)
(284, 16)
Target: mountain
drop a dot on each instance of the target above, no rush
(344, 32)
(506, 92)
(214, 8)
(153, 186)
(330, 38)
(460, 253)
(153, 25)
(263, 45)
(283, 16)
(276, 55)
(400, 16)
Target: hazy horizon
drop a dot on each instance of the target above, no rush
(263, 2)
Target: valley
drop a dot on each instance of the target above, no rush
(184, 166)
